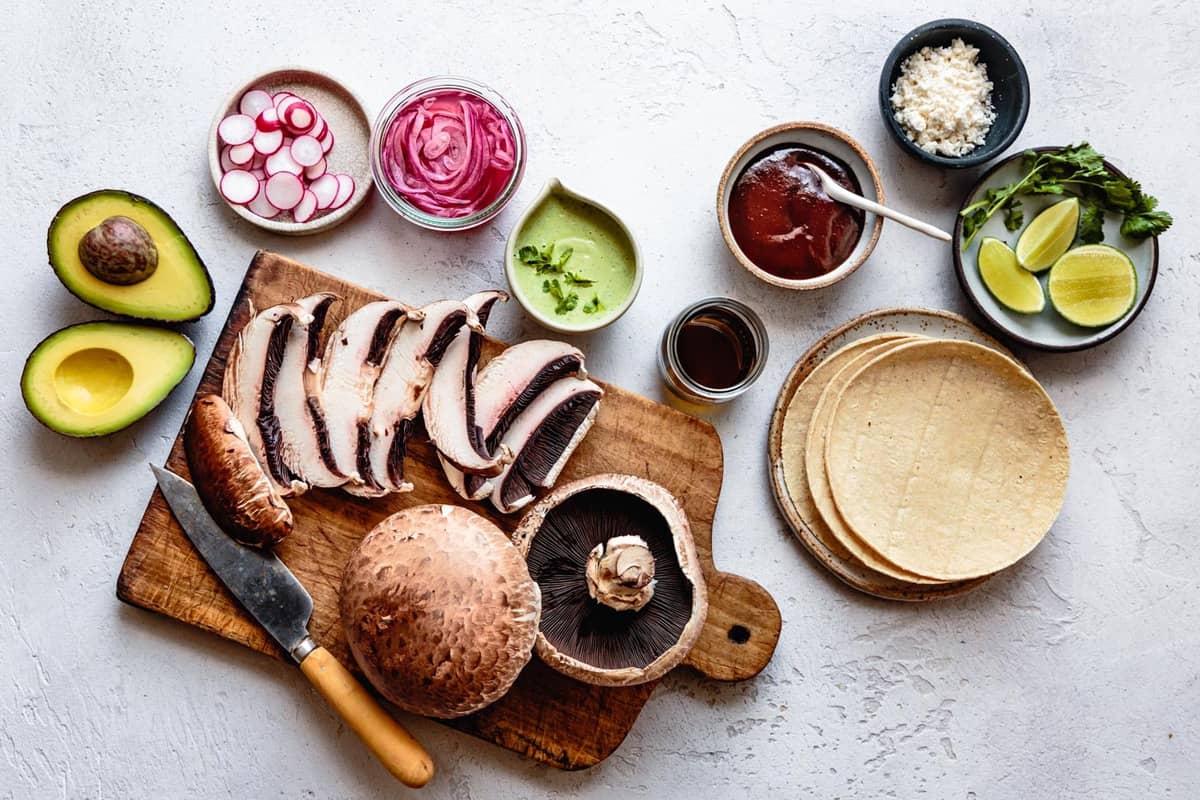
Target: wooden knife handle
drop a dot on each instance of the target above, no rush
(395, 747)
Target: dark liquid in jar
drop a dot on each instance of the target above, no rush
(715, 349)
(782, 219)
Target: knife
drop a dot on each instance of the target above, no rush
(273, 596)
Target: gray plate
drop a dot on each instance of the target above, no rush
(1047, 330)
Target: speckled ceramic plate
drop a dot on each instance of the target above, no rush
(351, 129)
(1047, 330)
(927, 322)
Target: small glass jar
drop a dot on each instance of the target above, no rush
(402, 100)
(745, 330)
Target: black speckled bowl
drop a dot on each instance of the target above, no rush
(1010, 82)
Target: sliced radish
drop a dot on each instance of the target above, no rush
(279, 97)
(315, 171)
(300, 117)
(239, 187)
(236, 129)
(242, 154)
(305, 209)
(261, 206)
(307, 151)
(327, 141)
(326, 189)
(254, 102)
(319, 127)
(282, 161)
(268, 120)
(284, 190)
(226, 163)
(285, 107)
(345, 191)
(267, 142)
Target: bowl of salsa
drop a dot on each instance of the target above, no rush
(447, 153)
(777, 219)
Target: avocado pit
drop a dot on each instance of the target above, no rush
(119, 251)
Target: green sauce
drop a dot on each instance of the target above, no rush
(600, 252)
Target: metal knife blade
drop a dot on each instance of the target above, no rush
(257, 578)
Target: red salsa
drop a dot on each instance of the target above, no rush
(782, 219)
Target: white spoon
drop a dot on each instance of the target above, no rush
(843, 195)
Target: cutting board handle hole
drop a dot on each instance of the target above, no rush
(739, 634)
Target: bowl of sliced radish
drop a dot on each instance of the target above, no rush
(288, 152)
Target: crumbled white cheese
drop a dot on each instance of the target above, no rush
(943, 99)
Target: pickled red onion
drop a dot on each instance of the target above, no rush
(450, 153)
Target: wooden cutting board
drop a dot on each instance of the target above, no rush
(545, 716)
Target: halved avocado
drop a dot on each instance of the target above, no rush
(180, 289)
(99, 377)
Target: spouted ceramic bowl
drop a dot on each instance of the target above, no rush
(818, 137)
(552, 209)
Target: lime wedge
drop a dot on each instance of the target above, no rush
(1048, 236)
(1013, 287)
(1093, 285)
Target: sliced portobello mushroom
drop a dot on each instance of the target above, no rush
(349, 370)
(403, 380)
(623, 594)
(298, 404)
(505, 387)
(449, 405)
(542, 439)
(229, 479)
(249, 388)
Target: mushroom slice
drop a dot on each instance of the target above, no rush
(623, 593)
(229, 479)
(542, 440)
(249, 388)
(506, 386)
(303, 429)
(348, 372)
(403, 380)
(449, 405)
(439, 610)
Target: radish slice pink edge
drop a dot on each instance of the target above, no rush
(254, 102)
(262, 206)
(282, 161)
(242, 154)
(306, 151)
(345, 191)
(236, 129)
(284, 190)
(239, 187)
(307, 206)
(325, 188)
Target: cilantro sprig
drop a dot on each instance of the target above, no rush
(1076, 170)
(546, 262)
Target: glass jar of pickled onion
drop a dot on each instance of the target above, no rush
(447, 153)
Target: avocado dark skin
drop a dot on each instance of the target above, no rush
(119, 251)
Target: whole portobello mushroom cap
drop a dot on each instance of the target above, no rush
(439, 610)
(119, 251)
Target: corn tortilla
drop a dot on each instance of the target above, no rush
(794, 437)
(815, 472)
(947, 458)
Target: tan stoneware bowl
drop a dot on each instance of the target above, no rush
(820, 137)
(346, 117)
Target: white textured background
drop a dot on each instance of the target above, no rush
(1074, 675)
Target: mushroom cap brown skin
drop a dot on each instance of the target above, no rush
(439, 610)
(229, 480)
(674, 582)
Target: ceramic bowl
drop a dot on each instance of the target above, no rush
(1010, 87)
(511, 263)
(347, 119)
(819, 137)
(1047, 330)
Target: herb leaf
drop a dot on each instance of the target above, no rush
(576, 280)
(566, 302)
(594, 305)
(1076, 170)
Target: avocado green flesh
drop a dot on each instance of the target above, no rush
(602, 253)
(99, 377)
(180, 288)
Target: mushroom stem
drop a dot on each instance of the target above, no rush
(620, 573)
